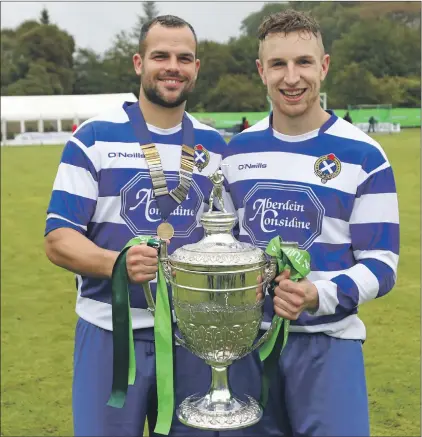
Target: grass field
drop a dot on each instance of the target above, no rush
(37, 311)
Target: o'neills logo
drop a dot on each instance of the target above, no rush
(125, 155)
(248, 166)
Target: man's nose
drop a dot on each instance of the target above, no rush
(292, 76)
(173, 64)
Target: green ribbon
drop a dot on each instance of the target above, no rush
(124, 364)
(298, 262)
(163, 336)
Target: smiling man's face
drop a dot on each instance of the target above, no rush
(168, 68)
(292, 66)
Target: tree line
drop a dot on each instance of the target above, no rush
(374, 46)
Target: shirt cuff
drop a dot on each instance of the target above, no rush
(327, 297)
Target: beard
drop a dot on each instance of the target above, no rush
(155, 96)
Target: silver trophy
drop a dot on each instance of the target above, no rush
(218, 312)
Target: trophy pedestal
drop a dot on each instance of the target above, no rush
(203, 414)
(218, 409)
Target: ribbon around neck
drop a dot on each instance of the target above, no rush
(298, 262)
(124, 363)
(166, 203)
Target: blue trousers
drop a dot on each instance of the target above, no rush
(320, 389)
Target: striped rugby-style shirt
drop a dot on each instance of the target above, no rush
(332, 191)
(103, 190)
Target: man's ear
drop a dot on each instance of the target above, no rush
(261, 71)
(137, 63)
(325, 65)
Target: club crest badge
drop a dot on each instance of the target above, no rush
(327, 167)
(201, 157)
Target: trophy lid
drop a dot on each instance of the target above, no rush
(218, 247)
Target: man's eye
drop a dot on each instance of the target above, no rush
(304, 61)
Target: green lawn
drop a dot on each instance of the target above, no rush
(37, 311)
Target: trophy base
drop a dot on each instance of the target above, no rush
(199, 412)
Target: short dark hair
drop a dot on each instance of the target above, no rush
(286, 22)
(166, 21)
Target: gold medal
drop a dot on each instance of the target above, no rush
(165, 231)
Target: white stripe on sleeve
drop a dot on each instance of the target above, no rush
(51, 216)
(366, 282)
(327, 294)
(376, 208)
(90, 152)
(363, 176)
(386, 256)
(108, 210)
(76, 180)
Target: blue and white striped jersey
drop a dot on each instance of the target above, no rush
(332, 191)
(103, 190)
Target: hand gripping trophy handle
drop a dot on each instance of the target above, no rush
(161, 246)
(269, 274)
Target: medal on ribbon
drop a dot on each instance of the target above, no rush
(167, 201)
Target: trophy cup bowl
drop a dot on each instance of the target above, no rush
(218, 312)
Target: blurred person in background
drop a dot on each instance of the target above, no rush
(348, 118)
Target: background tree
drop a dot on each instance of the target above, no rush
(117, 60)
(215, 62)
(91, 76)
(150, 11)
(45, 18)
(35, 50)
(374, 46)
(237, 93)
(37, 81)
(9, 70)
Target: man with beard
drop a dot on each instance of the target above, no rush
(104, 194)
(310, 177)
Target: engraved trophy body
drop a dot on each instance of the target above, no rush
(218, 313)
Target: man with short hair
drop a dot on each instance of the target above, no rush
(315, 179)
(104, 194)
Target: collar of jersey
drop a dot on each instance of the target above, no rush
(306, 136)
(160, 131)
(296, 138)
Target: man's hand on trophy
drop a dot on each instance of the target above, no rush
(142, 263)
(292, 298)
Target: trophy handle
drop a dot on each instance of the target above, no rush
(270, 271)
(266, 336)
(163, 254)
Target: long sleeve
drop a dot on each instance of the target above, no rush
(374, 233)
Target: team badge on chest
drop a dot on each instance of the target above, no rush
(327, 167)
(201, 157)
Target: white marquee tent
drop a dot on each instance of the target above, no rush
(43, 108)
